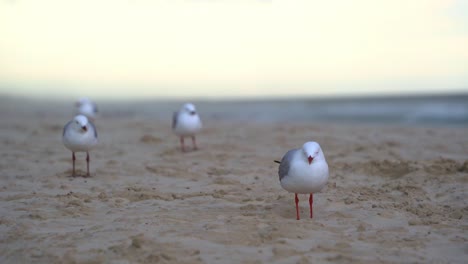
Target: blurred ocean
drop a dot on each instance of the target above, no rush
(451, 110)
(430, 110)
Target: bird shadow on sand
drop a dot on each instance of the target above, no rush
(285, 210)
(78, 174)
(177, 151)
(188, 150)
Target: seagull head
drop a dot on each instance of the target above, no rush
(81, 123)
(189, 108)
(82, 101)
(312, 151)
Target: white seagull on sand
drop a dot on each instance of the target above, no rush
(186, 123)
(80, 135)
(304, 170)
(87, 108)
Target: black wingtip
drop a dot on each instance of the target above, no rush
(279, 162)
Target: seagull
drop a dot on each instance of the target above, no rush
(186, 123)
(80, 135)
(87, 108)
(303, 170)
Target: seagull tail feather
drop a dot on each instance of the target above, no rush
(279, 162)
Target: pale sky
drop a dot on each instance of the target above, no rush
(232, 48)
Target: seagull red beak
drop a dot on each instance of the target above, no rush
(310, 159)
(84, 128)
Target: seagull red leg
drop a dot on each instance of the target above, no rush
(311, 201)
(73, 158)
(87, 164)
(194, 142)
(297, 207)
(182, 147)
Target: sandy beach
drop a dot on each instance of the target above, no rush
(396, 194)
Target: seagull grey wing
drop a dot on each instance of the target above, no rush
(283, 169)
(174, 119)
(94, 128)
(66, 127)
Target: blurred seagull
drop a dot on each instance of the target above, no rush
(186, 123)
(80, 135)
(87, 108)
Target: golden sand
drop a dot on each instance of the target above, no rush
(395, 194)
